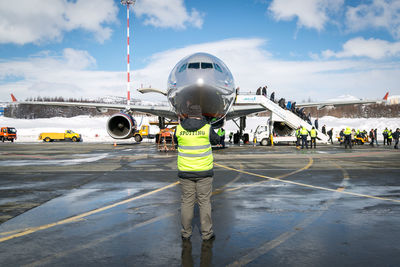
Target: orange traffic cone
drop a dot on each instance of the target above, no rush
(115, 143)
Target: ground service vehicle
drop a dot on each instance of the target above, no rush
(8, 133)
(69, 135)
(279, 130)
(360, 139)
(144, 132)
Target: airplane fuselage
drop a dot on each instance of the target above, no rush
(201, 79)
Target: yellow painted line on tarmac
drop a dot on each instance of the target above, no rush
(80, 216)
(63, 253)
(279, 179)
(309, 164)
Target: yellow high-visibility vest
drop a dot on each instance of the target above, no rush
(313, 133)
(347, 131)
(194, 149)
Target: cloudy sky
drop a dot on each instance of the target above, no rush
(308, 49)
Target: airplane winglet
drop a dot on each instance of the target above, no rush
(13, 98)
(386, 96)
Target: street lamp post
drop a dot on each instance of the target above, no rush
(128, 3)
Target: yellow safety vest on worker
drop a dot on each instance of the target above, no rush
(298, 133)
(194, 149)
(347, 131)
(303, 131)
(313, 133)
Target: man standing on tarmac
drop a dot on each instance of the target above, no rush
(372, 137)
(389, 137)
(385, 136)
(221, 134)
(298, 136)
(313, 135)
(194, 137)
(347, 137)
(376, 136)
(304, 135)
(396, 136)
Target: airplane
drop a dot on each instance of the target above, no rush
(323, 104)
(200, 79)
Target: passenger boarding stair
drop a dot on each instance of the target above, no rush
(291, 119)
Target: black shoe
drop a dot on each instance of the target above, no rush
(185, 238)
(211, 238)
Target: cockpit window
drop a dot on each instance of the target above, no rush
(205, 65)
(194, 65)
(182, 68)
(217, 67)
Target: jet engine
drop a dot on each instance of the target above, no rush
(121, 126)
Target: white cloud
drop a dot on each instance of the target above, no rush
(168, 14)
(384, 14)
(71, 74)
(371, 48)
(36, 21)
(309, 13)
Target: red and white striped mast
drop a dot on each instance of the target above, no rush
(128, 90)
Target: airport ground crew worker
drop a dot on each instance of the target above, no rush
(347, 137)
(396, 136)
(194, 137)
(304, 135)
(313, 135)
(298, 136)
(390, 137)
(221, 134)
(385, 136)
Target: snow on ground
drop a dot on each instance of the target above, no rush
(93, 129)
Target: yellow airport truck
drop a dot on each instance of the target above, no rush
(144, 132)
(68, 135)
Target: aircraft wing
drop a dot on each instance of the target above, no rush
(162, 111)
(336, 103)
(243, 110)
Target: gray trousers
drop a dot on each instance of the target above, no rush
(196, 190)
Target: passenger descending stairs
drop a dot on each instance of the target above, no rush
(287, 116)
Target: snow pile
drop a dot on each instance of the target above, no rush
(93, 129)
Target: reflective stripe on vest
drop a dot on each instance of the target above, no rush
(194, 149)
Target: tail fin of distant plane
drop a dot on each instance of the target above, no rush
(13, 98)
(386, 96)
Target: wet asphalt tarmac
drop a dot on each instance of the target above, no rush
(67, 204)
